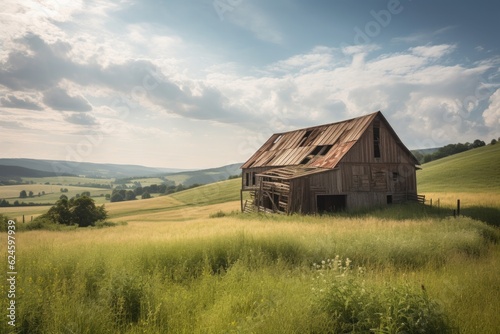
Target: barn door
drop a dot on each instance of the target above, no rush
(331, 203)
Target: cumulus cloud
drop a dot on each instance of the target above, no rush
(492, 114)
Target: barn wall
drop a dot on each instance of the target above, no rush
(390, 150)
(249, 173)
(365, 185)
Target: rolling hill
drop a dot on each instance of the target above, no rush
(476, 170)
(15, 173)
(88, 169)
(205, 176)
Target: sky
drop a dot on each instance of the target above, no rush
(203, 83)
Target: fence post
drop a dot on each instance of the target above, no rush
(458, 207)
(431, 202)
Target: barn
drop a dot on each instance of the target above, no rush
(348, 165)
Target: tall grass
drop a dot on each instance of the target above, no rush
(253, 274)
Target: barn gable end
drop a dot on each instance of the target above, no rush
(346, 165)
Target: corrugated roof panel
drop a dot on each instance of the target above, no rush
(287, 150)
(334, 156)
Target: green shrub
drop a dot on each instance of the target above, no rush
(346, 304)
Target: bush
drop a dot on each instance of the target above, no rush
(217, 214)
(348, 305)
(81, 211)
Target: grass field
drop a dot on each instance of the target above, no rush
(67, 180)
(475, 170)
(173, 269)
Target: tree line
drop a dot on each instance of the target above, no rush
(119, 195)
(451, 149)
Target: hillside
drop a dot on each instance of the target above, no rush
(205, 176)
(15, 173)
(88, 169)
(195, 202)
(476, 170)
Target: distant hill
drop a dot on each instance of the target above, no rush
(205, 176)
(8, 173)
(425, 151)
(475, 170)
(88, 169)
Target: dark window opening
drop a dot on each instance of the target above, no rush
(376, 140)
(316, 150)
(306, 159)
(389, 199)
(395, 176)
(321, 149)
(253, 179)
(271, 201)
(304, 138)
(247, 179)
(331, 203)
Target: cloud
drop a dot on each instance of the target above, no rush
(80, 119)
(422, 37)
(492, 114)
(433, 51)
(58, 99)
(11, 101)
(249, 17)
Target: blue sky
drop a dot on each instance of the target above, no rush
(203, 83)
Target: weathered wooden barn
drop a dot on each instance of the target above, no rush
(346, 165)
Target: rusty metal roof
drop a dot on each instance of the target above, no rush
(321, 146)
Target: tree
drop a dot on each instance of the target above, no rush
(162, 188)
(85, 213)
(493, 141)
(478, 143)
(139, 191)
(31, 194)
(81, 211)
(60, 212)
(63, 197)
(130, 195)
(116, 197)
(145, 195)
(23, 194)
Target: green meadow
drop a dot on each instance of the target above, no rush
(191, 263)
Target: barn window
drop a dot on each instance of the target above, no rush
(249, 179)
(376, 140)
(395, 176)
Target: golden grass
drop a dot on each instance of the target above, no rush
(449, 199)
(166, 233)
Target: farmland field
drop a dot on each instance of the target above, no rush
(189, 263)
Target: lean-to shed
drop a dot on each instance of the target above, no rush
(347, 165)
